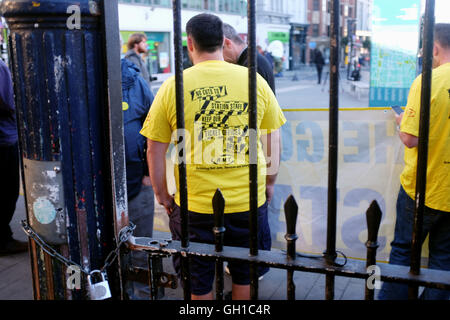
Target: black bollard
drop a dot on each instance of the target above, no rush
(62, 89)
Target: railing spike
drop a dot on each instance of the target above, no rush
(291, 212)
(373, 217)
(218, 203)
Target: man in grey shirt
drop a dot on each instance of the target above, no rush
(137, 45)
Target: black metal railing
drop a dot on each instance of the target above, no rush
(289, 260)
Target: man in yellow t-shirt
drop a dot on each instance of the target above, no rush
(436, 221)
(216, 137)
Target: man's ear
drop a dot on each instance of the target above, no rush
(190, 44)
(436, 49)
(227, 42)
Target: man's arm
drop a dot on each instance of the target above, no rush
(408, 140)
(272, 151)
(156, 158)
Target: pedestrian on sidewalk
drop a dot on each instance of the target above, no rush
(436, 220)
(319, 61)
(9, 164)
(137, 46)
(235, 51)
(216, 112)
(276, 50)
(267, 55)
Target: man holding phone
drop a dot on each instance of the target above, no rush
(436, 220)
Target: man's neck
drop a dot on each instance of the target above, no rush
(241, 49)
(206, 56)
(136, 51)
(445, 59)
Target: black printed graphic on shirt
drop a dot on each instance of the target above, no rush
(221, 126)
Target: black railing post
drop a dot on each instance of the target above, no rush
(422, 153)
(291, 212)
(330, 253)
(253, 146)
(181, 151)
(218, 203)
(373, 218)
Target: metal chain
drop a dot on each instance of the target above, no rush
(124, 235)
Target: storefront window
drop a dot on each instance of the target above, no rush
(158, 56)
(158, 52)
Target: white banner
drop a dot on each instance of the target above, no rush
(369, 165)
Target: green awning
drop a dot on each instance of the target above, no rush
(281, 36)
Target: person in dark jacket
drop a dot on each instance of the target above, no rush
(9, 164)
(235, 51)
(137, 99)
(137, 45)
(319, 62)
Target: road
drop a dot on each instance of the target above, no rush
(299, 90)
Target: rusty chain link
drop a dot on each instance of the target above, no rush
(124, 235)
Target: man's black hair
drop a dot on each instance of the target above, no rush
(442, 34)
(206, 30)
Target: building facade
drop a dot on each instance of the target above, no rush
(277, 20)
(363, 33)
(318, 14)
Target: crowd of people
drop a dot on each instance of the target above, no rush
(216, 104)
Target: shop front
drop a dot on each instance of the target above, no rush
(158, 58)
(297, 45)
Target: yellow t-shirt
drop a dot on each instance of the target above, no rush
(216, 122)
(438, 170)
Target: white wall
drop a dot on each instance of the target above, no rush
(298, 9)
(144, 18)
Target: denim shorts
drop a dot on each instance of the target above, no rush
(237, 234)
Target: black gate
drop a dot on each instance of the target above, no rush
(327, 263)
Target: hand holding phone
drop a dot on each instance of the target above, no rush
(397, 109)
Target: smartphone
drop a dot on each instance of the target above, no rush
(397, 109)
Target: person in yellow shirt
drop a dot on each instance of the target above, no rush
(216, 137)
(436, 221)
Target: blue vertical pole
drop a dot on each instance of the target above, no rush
(57, 58)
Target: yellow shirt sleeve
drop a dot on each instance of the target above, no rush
(411, 117)
(273, 117)
(157, 126)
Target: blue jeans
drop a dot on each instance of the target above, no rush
(437, 225)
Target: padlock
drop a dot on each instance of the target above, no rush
(98, 290)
